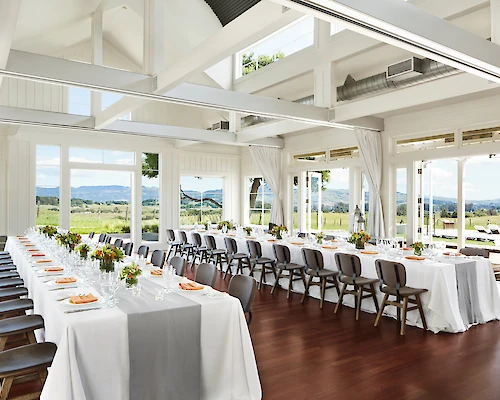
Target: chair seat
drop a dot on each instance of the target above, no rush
(6, 261)
(8, 267)
(12, 326)
(16, 305)
(188, 246)
(404, 291)
(359, 280)
(8, 274)
(201, 248)
(289, 266)
(263, 260)
(217, 251)
(2, 253)
(321, 273)
(239, 256)
(175, 243)
(8, 283)
(13, 292)
(26, 357)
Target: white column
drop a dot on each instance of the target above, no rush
(154, 36)
(354, 192)
(461, 204)
(431, 206)
(96, 57)
(136, 197)
(163, 198)
(495, 21)
(65, 189)
(302, 202)
(4, 157)
(324, 95)
(411, 202)
(234, 122)
(421, 224)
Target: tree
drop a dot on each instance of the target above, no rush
(401, 210)
(256, 182)
(444, 212)
(150, 165)
(249, 64)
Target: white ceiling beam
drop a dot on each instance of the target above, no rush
(9, 11)
(37, 118)
(96, 53)
(405, 26)
(256, 23)
(154, 36)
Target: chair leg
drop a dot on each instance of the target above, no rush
(336, 283)
(290, 284)
(381, 310)
(249, 318)
(403, 317)
(398, 309)
(303, 276)
(5, 389)
(339, 301)
(3, 342)
(43, 376)
(360, 299)
(421, 311)
(306, 291)
(228, 270)
(276, 282)
(323, 290)
(31, 337)
(372, 289)
(262, 275)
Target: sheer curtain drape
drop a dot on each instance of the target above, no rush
(370, 149)
(269, 161)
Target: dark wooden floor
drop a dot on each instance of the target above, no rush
(304, 353)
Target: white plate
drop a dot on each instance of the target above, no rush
(66, 302)
(53, 283)
(41, 271)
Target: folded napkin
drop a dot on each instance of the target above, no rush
(298, 243)
(29, 245)
(451, 254)
(191, 286)
(86, 298)
(33, 250)
(369, 252)
(157, 272)
(417, 258)
(53, 269)
(148, 263)
(21, 237)
(43, 261)
(230, 234)
(215, 231)
(326, 246)
(38, 255)
(65, 280)
(272, 240)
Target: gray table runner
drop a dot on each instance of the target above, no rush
(164, 344)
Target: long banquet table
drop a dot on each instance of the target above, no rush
(93, 360)
(443, 303)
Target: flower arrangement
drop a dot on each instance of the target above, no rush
(83, 250)
(48, 230)
(207, 224)
(278, 230)
(248, 230)
(107, 256)
(359, 239)
(418, 247)
(130, 274)
(319, 237)
(70, 240)
(227, 224)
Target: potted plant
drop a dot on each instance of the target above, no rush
(83, 250)
(359, 239)
(248, 230)
(107, 256)
(319, 237)
(130, 274)
(278, 230)
(418, 247)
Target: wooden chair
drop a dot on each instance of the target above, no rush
(127, 249)
(143, 251)
(265, 264)
(7, 268)
(200, 251)
(12, 293)
(24, 325)
(102, 238)
(313, 260)
(8, 275)
(242, 259)
(118, 243)
(392, 277)
(349, 266)
(23, 361)
(91, 235)
(15, 308)
(282, 255)
(11, 283)
(187, 249)
(179, 264)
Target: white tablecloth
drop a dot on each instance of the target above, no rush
(92, 359)
(440, 303)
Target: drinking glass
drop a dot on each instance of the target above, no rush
(136, 290)
(159, 294)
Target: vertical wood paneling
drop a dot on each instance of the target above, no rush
(30, 94)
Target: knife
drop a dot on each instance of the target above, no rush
(61, 288)
(81, 310)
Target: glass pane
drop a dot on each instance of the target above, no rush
(78, 101)
(77, 154)
(48, 155)
(336, 200)
(201, 199)
(401, 201)
(366, 197)
(118, 157)
(295, 217)
(47, 195)
(100, 202)
(150, 197)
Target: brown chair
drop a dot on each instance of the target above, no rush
(215, 255)
(393, 283)
(282, 254)
(266, 264)
(23, 361)
(232, 254)
(187, 249)
(12, 293)
(200, 251)
(23, 325)
(107, 239)
(244, 288)
(118, 243)
(474, 251)
(206, 274)
(175, 245)
(127, 249)
(6, 261)
(143, 251)
(14, 308)
(158, 258)
(349, 266)
(11, 283)
(91, 235)
(179, 264)
(102, 238)
(8, 274)
(313, 260)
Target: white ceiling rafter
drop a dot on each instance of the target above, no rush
(9, 11)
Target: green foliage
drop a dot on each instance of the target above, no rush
(341, 207)
(250, 64)
(401, 210)
(150, 165)
(47, 200)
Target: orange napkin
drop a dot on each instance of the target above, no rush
(157, 272)
(33, 250)
(326, 246)
(215, 231)
(21, 237)
(38, 255)
(230, 234)
(190, 286)
(201, 230)
(369, 252)
(147, 263)
(43, 261)
(251, 237)
(406, 248)
(417, 258)
(272, 240)
(29, 245)
(297, 243)
(86, 298)
(65, 280)
(53, 269)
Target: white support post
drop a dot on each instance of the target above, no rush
(431, 206)
(421, 224)
(154, 36)
(302, 201)
(411, 202)
(354, 193)
(234, 122)
(495, 21)
(324, 96)
(136, 197)
(65, 189)
(461, 204)
(96, 44)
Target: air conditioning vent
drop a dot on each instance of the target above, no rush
(221, 126)
(404, 69)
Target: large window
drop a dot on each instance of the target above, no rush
(48, 160)
(201, 199)
(335, 200)
(401, 201)
(260, 201)
(150, 197)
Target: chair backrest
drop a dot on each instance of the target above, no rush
(158, 258)
(271, 226)
(118, 243)
(196, 239)
(231, 245)
(313, 258)
(254, 249)
(179, 264)
(210, 241)
(107, 240)
(244, 288)
(302, 235)
(206, 274)
(391, 273)
(127, 249)
(91, 235)
(282, 253)
(183, 237)
(143, 251)
(348, 264)
(170, 235)
(329, 237)
(473, 251)
(102, 237)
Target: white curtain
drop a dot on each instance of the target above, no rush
(269, 161)
(370, 149)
